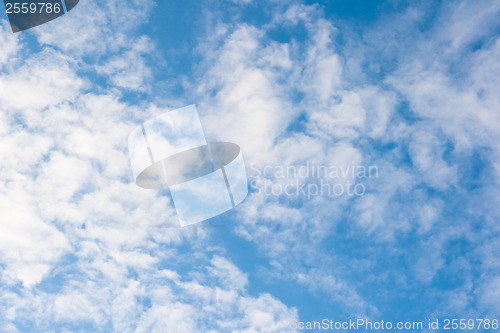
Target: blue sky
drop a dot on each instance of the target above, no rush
(408, 87)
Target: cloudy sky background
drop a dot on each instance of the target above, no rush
(411, 87)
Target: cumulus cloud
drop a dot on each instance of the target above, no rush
(82, 248)
(420, 124)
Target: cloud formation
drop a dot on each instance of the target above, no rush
(82, 248)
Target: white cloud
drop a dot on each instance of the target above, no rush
(129, 70)
(10, 44)
(249, 104)
(81, 237)
(45, 79)
(448, 118)
(69, 196)
(95, 28)
(426, 151)
(29, 247)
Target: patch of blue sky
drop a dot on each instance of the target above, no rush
(67, 270)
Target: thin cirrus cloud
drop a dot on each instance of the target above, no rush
(79, 237)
